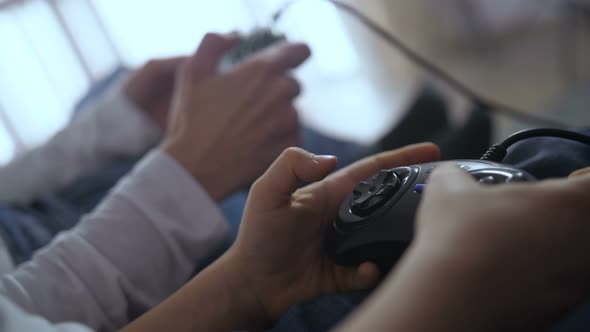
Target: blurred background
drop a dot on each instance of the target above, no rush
(532, 54)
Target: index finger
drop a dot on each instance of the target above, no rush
(281, 57)
(342, 182)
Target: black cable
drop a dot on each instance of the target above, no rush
(433, 69)
(498, 151)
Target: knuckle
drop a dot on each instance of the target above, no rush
(288, 83)
(262, 66)
(379, 161)
(293, 153)
(150, 69)
(151, 64)
(212, 37)
(284, 89)
(258, 183)
(292, 87)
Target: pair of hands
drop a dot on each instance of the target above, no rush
(490, 252)
(507, 257)
(224, 128)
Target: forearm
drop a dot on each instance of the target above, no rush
(109, 128)
(13, 319)
(139, 246)
(218, 187)
(209, 302)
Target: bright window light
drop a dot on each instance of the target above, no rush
(39, 77)
(143, 30)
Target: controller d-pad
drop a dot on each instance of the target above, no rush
(370, 195)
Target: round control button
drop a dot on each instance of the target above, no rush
(488, 180)
(371, 195)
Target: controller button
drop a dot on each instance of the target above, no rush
(517, 177)
(488, 180)
(361, 189)
(419, 188)
(370, 196)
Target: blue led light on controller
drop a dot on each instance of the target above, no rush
(419, 188)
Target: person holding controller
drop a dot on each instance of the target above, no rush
(509, 257)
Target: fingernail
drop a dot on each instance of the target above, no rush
(581, 172)
(322, 158)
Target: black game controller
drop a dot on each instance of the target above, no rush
(250, 44)
(376, 221)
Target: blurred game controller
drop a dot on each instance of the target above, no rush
(376, 221)
(250, 44)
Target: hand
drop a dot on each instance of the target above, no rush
(278, 255)
(528, 243)
(503, 258)
(277, 260)
(581, 172)
(151, 87)
(226, 128)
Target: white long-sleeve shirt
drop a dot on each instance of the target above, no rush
(140, 245)
(109, 127)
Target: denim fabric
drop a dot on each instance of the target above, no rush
(22, 233)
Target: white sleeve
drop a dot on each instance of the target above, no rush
(140, 245)
(106, 129)
(13, 319)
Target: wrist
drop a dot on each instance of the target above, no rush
(269, 292)
(215, 185)
(214, 300)
(245, 301)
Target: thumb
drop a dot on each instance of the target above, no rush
(285, 175)
(449, 178)
(581, 172)
(206, 59)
